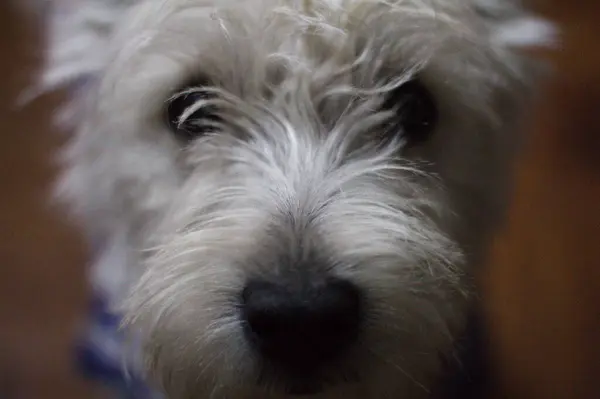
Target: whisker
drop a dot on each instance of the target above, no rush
(397, 367)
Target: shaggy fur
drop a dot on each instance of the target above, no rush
(293, 171)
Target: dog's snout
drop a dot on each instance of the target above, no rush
(301, 326)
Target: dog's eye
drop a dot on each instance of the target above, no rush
(416, 109)
(189, 126)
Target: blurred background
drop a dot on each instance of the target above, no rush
(42, 287)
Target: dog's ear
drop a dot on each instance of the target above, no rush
(511, 26)
(74, 40)
(513, 35)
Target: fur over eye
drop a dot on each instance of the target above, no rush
(416, 112)
(190, 114)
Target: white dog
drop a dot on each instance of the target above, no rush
(291, 195)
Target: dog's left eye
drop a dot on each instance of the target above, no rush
(416, 109)
(190, 126)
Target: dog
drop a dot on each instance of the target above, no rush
(292, 197)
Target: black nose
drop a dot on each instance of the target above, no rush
(300, 327)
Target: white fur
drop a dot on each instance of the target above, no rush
(301, 81)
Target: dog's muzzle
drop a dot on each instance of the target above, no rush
(301, 326)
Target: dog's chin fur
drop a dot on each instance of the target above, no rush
(294, 173)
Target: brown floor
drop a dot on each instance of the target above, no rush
(42, 288)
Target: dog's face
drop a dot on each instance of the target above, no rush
(301, 188)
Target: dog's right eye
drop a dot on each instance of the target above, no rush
(188, 117)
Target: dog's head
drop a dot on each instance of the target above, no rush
(299, 188)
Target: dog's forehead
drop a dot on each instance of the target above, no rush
(228, 34)
(259, 15)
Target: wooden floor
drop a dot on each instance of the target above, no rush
(42, 288)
